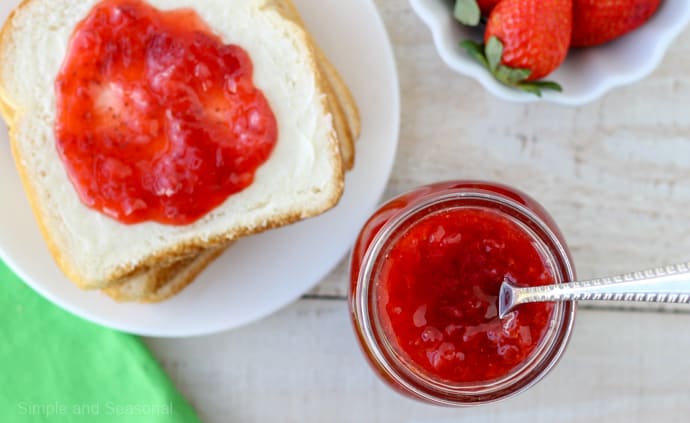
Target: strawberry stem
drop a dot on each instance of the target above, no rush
(489, 55)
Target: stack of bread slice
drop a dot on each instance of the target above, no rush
(318, 123)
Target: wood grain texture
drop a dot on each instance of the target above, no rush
(615, 174)
(302, 365)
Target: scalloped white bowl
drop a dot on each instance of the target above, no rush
(586, 74)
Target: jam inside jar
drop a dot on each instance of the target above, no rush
(425, 275)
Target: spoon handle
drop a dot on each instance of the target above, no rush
(669, 284)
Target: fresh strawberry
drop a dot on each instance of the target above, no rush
(599, 21)
(525, 40)
(469, 12)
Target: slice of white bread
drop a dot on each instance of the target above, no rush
(347, 126)
(160, 283)
(303, 177)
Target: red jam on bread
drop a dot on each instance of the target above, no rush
(158, 119)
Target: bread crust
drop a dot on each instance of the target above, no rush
(10, 114)
(193, 246)
(164, 282)
(343, 93)
(345, 110)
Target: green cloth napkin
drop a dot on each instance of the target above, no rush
(55, 367)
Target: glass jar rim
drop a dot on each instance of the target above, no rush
(422, 386)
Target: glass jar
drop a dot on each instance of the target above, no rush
(449, 347)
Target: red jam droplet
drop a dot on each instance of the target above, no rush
(157, 119)
(437, 294)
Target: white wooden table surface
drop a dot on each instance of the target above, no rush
(615, 174)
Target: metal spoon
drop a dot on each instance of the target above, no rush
(670, 284)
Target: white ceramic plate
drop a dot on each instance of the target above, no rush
(261, 274)
(586, 75)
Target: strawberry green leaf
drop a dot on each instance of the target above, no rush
(490, 56)
(494, 52)
(548, 85)
(476, 51)
(467, 12)
(511, 76)
(536, 87)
